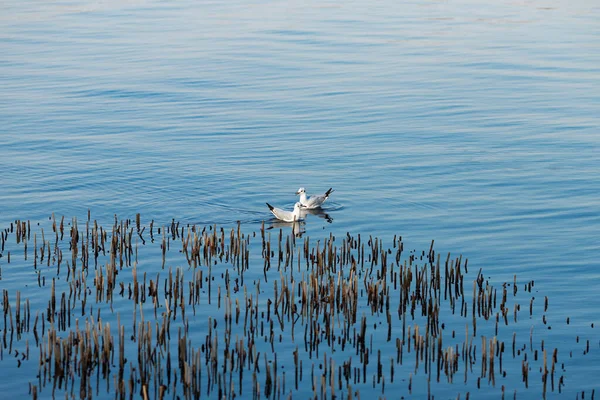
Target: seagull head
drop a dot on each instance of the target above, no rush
(300, 191)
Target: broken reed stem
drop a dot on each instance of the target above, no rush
(331, 302)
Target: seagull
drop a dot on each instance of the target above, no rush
(313, 201)
(287, 216)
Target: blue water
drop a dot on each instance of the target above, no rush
(476, 125)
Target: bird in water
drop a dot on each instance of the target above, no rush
(314, 201)
(287, 216)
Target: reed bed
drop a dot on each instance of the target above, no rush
(138, 310)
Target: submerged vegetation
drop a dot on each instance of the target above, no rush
(137, 310)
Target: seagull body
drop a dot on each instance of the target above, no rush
(315, 201)
(287, 216)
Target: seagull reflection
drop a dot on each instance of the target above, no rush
(297, 227)
(319, 212)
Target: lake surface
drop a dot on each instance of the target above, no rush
(475, 125)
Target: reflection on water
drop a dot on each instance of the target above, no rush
(297, 228)
(317, 212)
(341, 297)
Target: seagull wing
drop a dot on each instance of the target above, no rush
(317, 200)
(283, 215)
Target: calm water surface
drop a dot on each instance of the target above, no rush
(476, 125)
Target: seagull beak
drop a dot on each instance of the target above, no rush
(298, 192)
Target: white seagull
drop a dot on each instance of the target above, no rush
(287, 216)
(313, 201)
